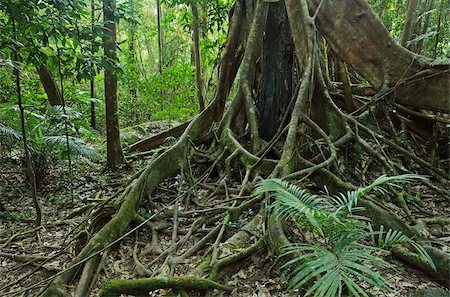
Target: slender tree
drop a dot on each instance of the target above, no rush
(197, 58)
(92, 80)
(115, 155)
(408, 29)
(160, 37)
(31, 173)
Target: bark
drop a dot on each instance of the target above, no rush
(115, 156)
(410, 18)
(430, 4)
(92, 80)
(275, 87)
(359, 38)
(143, 286)
(29, 162)
(197, 58)
(49, 84)
(160, 36)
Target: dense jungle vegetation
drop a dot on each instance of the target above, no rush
(224, 148)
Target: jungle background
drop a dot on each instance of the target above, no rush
(222, 148)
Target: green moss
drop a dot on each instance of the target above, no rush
(114, 288)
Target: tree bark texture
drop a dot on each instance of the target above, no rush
(49, 84)
(410, 20)
(197, 58)
(275, 87)
(115, 156)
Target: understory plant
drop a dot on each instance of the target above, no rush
(340, 250)
(46, 137)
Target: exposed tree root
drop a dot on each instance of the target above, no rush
(157, 140)
(139, 287)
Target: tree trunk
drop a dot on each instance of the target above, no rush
(132, 48)
(160, 37)
(31, 173)
(49, 84)
(275, 87)
(439, 23)
(410, 20)
(197, 57)
(92, 80)
(429, 6)
(115, 156)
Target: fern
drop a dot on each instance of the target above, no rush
(335, 265)
(76, 145)
(9, 136)
(334, 269)
(293, 202)
(350, 201)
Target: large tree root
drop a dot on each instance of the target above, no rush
(141, 287)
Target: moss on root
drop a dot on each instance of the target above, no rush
(141, 287)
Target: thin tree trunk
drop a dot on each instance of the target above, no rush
(197, 58)
(115, 156)
(438, 33)
(92, 82)
(409, 22)
(49, 84)
(426, 23)
(160, 38)
(28, 160)
(348, 97)
(132, 48)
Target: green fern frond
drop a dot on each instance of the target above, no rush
(77, 146)
(333, 270)
(392, 237)
(9, 136)
(293, 202)
(350, 200)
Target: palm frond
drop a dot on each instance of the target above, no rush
(59, 113)
(423, 254)
(350, 200)
(392, 237)
(333, 270)
(76, 145)
(9, 136)
(293, 202)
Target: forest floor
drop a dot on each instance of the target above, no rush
(55, 245)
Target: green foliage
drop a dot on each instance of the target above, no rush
(336, 268)
(45, 135)
(431, 25)
(171, 96)
(336, 256)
